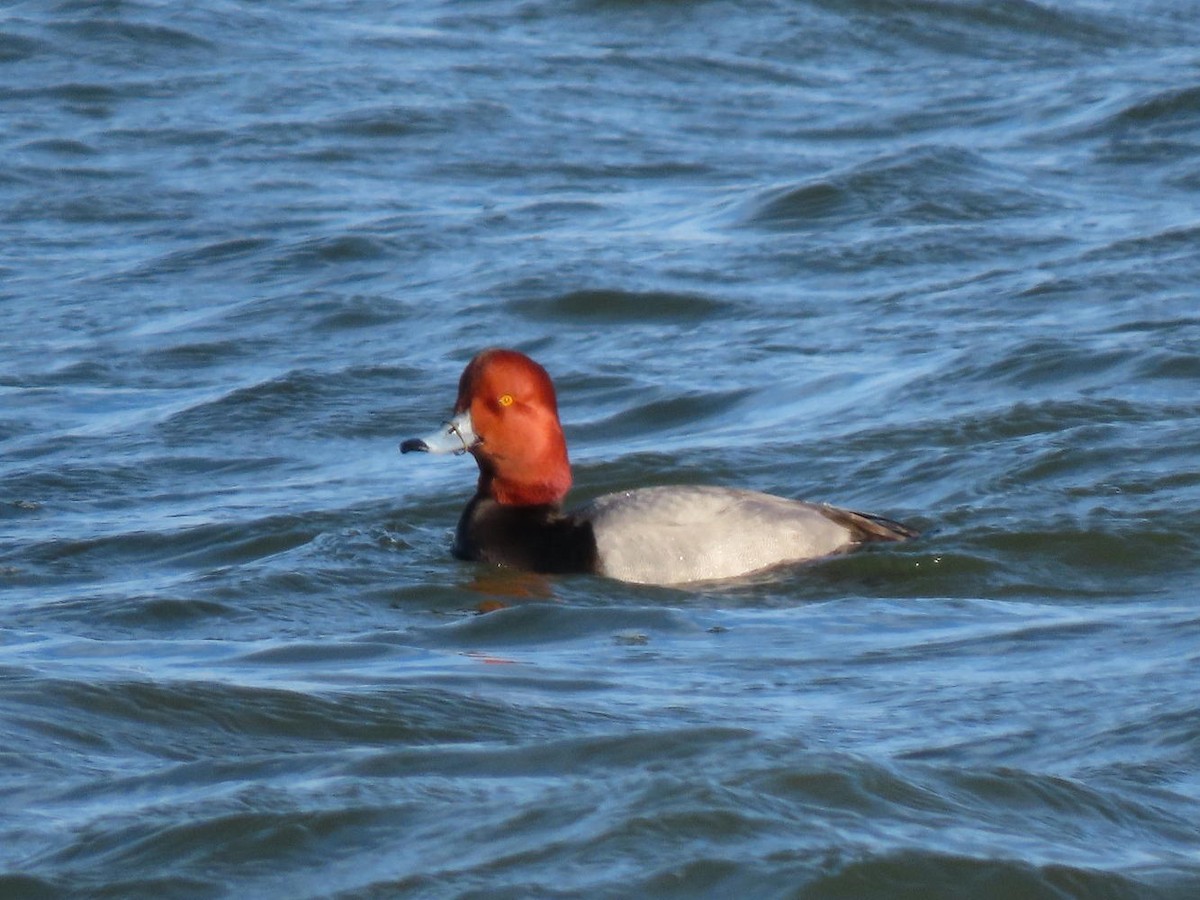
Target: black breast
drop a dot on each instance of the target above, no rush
(534, 538)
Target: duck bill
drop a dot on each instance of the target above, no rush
(456, 436)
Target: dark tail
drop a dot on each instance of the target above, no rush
(866, 528)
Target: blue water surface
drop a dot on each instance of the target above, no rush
(935, 259)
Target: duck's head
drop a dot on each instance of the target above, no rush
(506, 416)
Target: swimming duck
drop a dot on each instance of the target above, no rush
(506, 416)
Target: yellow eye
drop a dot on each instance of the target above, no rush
(506, 400)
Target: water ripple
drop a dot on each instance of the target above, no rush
(930, 259)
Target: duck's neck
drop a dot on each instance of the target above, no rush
(535, 480)
(523, 492)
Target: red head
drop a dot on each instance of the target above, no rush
(519, 444)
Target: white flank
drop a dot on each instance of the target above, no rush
(677, 534)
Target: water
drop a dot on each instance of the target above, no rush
(937, 260)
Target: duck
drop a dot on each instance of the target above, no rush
(506, 417)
